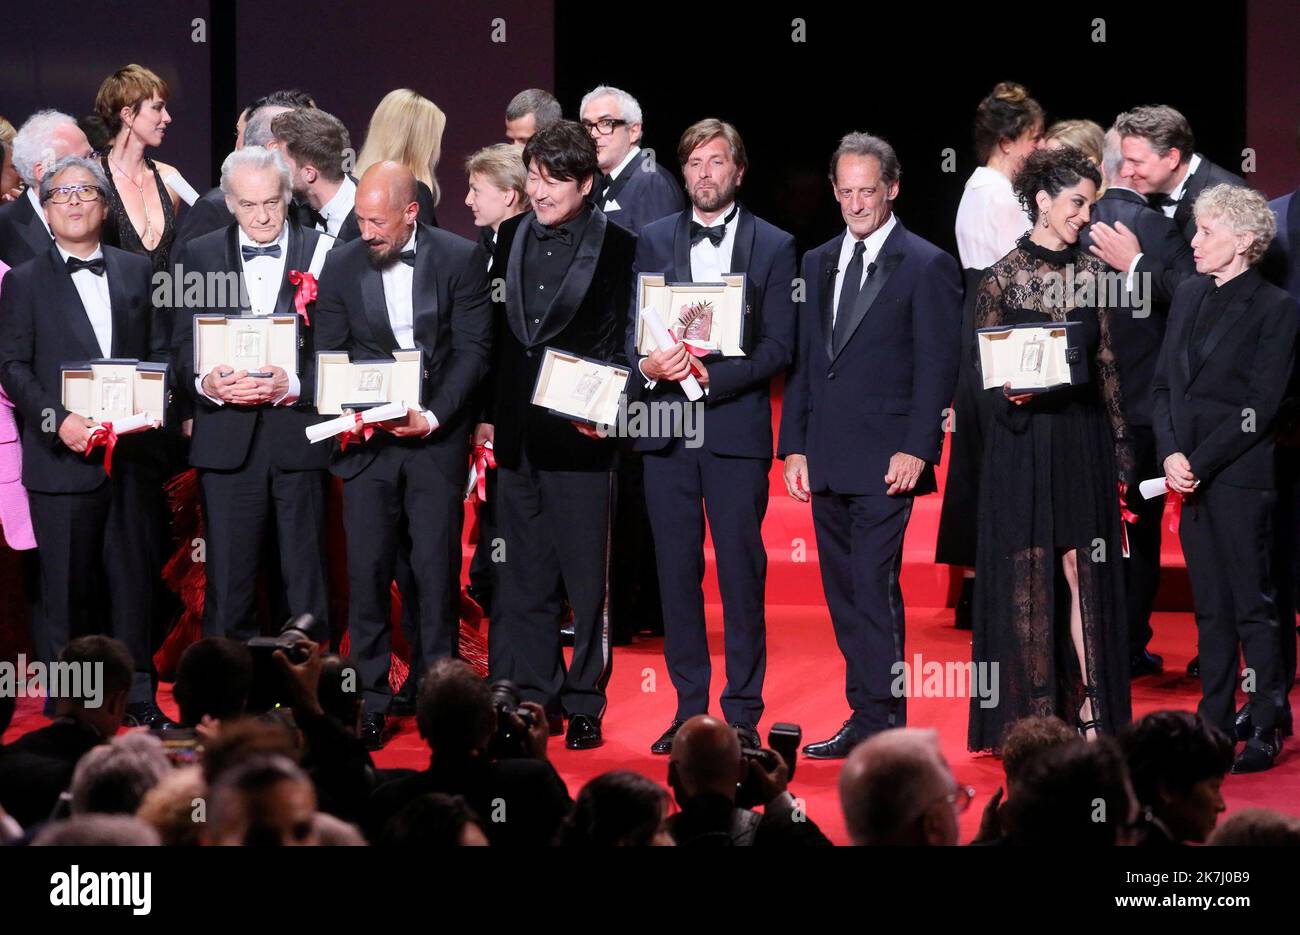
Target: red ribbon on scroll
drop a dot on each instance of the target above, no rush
(366, 432)
(104, 437)
(484, 458)
(306, 284)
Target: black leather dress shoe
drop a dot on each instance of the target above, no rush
(372, 731)
(1145, 663)
(1259, 753)
(146, 714)
(1244, 728)
(584, 732)
(837, 747)
(749, 739)
(1194, 667)
(665, 742)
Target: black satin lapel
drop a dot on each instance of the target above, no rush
(682, 248)
(424, 292)
(235, 263)
(826, 300)
(68, 302)
(1227, 321)
(372, 295)
(37, 237)
(1186, 324)
(886, 263)
(119, 305)
(297, 257)
(515, 279)
(742, 246)
(576, 281)
(616, 187)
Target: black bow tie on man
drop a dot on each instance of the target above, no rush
(716, 233)
(249, 253)
(96, 265)
(1159, 200)
(560, 234)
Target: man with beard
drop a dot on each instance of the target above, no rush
(404, 284)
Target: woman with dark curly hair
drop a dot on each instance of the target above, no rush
(1049, 620)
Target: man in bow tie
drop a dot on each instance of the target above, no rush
(257, 470)
(568, 283)
(725, 478)
(80, 301)
(405, 285)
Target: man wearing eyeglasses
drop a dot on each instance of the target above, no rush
(77, 301)
(633, 188)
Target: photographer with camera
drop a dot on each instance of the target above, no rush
(487, 747)
(714, 781)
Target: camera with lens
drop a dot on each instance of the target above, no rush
(268, 690)
(513, 722)
(782, 738)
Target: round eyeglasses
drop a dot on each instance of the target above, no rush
(604, 126)
(63, 194)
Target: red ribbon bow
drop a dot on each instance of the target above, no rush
(484, 458)
(366, 432)
(306, 284)
(1176, 514)
(104, 437)
(1125, 516)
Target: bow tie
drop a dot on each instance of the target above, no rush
(715, 233)
(561, 234)
(96, 265)
(1159, 200)
(248, 252)
(407, 257)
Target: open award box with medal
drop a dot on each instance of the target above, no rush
(129, 394)
(579, 388)
(246, 342)
(709, 317)
(375, 390)
(1032, 358)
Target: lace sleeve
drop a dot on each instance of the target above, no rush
(988, 300)
(1111, 396)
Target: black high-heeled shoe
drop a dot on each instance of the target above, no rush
(1092, 724)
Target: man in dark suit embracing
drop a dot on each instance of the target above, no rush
(404, 284)
(80, 301)
(863, 418)
(725, 476)
(568, 285)
(256, 466)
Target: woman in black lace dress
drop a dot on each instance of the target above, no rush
(1049, 611)
(132, 102)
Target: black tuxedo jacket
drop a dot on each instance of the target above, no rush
(1166, 261)
(1207, 174)
(1281, 265)
(452, 327)
(22, 234)
(738, 410)
(1247, 359)
(644, 191)
(206, 215)
(223, 434)
(587, 317)
(886, 388)
(43, 325)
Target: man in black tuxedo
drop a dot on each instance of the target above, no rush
(725, 477)
(568, 285)
(633, 188)
(863, 416)
(256, 466)
(314, 143)
(1223, 371)
(1138, 327)
(405, 285)
(81, 301)
(44, 137)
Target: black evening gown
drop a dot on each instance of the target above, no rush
(1049, 483)
(121, 233)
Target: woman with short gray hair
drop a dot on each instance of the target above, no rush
(1223, 369)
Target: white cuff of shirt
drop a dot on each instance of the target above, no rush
(198, 385)
(649, 384)
(431, 419)
(1132, 268)
(292, 393)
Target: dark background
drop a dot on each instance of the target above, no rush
(911, 73)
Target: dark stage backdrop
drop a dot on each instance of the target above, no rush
(914, 75)
(349, 55)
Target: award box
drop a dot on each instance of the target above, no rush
(579, 388)
(1032, 358)
(113, 389)
(342, 383)
(708, 315)
(245, 342)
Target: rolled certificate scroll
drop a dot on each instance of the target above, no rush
(664, 341)
(181, 187)
(128, 424)
(1156, 487)
(328, 429)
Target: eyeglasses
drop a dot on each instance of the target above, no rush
(604, 126)
(63, 194)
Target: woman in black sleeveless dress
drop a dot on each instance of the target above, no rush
(1049, 611)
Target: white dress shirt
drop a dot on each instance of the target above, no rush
(989, 219)
(398, 280)
(94, 298)
(616, 172)
(34, 197)
(872, 244)
(262, 277)
(710, 263)
(336, 210)
(1168, 209)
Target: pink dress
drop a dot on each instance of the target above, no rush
(15, 518)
